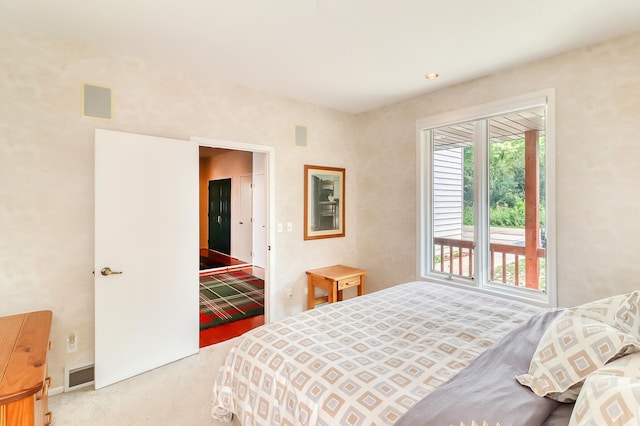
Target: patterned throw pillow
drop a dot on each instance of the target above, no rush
(607, 400)
(621, 312)
(579, 342)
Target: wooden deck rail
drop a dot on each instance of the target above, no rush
(516, 251)
(461, 245)
(451, 248)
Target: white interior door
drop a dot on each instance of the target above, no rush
(146, 227)
(259, 221)
(245, 225)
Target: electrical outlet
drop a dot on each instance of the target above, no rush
(72, 342)
(289, 292)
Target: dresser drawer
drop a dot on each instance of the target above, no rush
(348, 282)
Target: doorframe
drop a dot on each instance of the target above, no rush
(269, 152)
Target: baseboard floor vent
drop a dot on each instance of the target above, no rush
(78, 377)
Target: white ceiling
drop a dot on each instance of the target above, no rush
(351, 55)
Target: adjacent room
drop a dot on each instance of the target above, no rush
(319, 212)
(232, 264)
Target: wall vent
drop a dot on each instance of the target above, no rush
(301, 136)
(96, 102)
(78, 377)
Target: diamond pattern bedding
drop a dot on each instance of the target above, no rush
(364, 361)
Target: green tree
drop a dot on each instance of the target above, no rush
(506, 183)
(506, 173)
(467, 179)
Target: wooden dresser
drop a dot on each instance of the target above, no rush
(24, 342)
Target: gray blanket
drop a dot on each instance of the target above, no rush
(487, 389)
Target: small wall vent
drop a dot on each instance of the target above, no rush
(301, 136)
(96, 102)
(78, 377)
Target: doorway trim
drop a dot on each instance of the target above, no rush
(269, 151)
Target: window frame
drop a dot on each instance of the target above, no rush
(424, 205)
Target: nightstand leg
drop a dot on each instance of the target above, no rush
(333, 294)
(361, 286)
(311, 295)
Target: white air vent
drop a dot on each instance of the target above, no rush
(96, 102)
(78, 377)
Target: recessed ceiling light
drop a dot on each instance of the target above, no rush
(432, 76)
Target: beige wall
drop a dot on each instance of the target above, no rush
(597, 156)
(46, 171)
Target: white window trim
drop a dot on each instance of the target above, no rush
(424, 209)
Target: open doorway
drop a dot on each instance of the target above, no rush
(232, 247)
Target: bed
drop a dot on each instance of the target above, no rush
(416, 353)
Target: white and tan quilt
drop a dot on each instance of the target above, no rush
(364, 361)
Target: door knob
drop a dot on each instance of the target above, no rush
(107, 271)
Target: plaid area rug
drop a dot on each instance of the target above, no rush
(229, 296)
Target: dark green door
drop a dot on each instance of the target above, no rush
(220, 215)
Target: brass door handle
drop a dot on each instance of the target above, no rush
(107, 271)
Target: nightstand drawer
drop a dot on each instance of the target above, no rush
(348, 282)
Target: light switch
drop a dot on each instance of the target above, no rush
(279, 227)
(289, 227)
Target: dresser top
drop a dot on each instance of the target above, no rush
(24, 341)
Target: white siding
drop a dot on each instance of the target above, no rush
(447, 193)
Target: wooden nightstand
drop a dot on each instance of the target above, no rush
(333, 279)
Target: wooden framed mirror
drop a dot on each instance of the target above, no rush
(324, 202)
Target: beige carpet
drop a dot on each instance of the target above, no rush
(175, 394)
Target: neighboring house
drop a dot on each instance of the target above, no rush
(448, 193)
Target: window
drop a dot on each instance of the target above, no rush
(486, 198)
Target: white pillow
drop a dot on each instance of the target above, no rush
(579, 342)
(611, 395)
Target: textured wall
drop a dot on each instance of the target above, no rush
(46, 171)
(597, 157)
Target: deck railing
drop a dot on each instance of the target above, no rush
(456, 257)
(457, 249)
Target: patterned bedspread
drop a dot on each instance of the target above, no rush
(364, 361)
